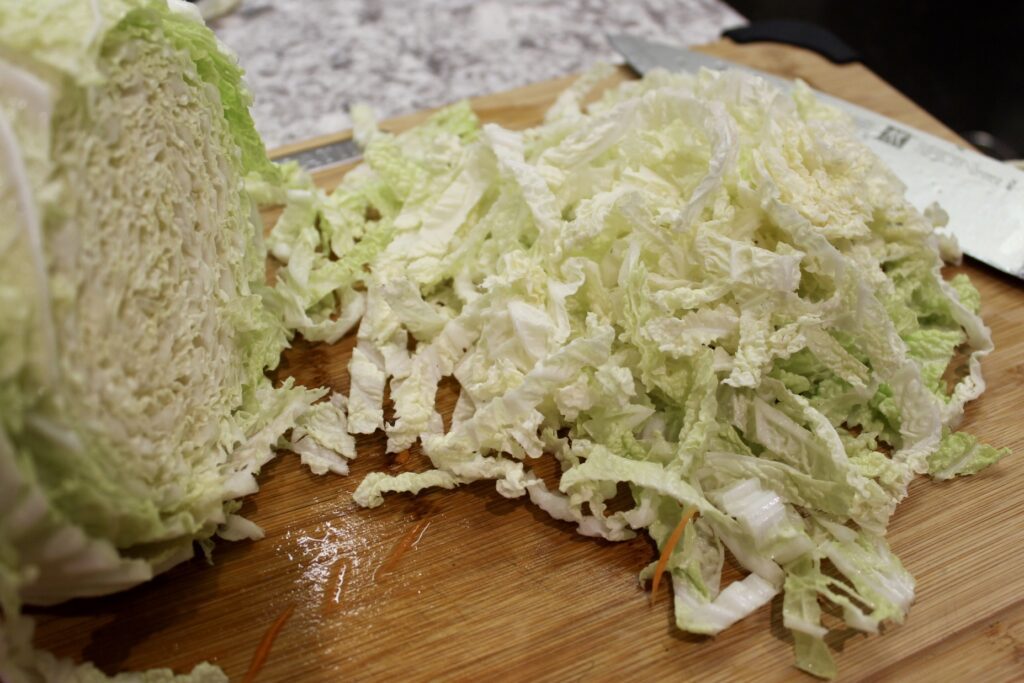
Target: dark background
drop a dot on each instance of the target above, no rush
(963, 62)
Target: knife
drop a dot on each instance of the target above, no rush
(322, 156)
(983, 197)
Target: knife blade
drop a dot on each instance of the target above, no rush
(322, 156)
(983, 197)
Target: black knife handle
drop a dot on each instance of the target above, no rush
(799, 33)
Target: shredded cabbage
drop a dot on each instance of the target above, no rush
(699, 287)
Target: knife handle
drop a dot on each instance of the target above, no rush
(799, 33)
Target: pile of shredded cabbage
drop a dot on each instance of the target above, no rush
(698, 286)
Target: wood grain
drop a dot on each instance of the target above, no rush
(491, 588)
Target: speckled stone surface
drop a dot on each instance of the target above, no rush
(309, 60)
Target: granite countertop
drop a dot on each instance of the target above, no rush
(308, 61)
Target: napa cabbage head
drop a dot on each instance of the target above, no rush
(134, 335)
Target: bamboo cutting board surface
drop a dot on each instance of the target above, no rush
(467, 585)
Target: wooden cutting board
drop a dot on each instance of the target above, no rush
(468, 585)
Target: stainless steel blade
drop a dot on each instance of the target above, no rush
(983, 197)
(331, 154)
